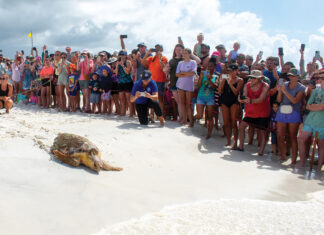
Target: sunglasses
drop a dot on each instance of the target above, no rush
(57, 54)
(63, 57)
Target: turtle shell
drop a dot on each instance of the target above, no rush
(71, 143)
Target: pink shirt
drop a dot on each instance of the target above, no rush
(84, 69)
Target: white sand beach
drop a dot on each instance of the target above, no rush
(174, 181)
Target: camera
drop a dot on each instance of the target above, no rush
(153, 50)
(143, 94)
(123, 36)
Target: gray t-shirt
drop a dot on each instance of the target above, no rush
(140, 67)
(64, 73)
(2, 68)
(293, 92)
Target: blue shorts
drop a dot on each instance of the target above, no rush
(94, 98)
(161, 88)
(209, 101)
(293, 117)
(314, 129)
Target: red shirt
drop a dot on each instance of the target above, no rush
(260, 110)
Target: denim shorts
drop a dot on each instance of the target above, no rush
(293, 117)
(161, 88)
(209, 101)
(314, 129)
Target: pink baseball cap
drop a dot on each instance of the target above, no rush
(216, 53)
(38, 58)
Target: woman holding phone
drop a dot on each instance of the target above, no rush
(229, 89)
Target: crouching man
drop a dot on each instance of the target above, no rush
(5, 93)
(145, 96)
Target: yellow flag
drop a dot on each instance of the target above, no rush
(29, 35)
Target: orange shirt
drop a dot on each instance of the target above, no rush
(47, 72)
(155, 67)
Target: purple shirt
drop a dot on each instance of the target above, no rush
(186, 83)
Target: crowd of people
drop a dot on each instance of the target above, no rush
(230, 91)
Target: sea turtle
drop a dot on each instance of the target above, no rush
(75, 150)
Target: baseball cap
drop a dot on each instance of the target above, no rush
(112, 60)
(141, 44)
(293, 72)
(256, 74)
(220, 46)
(159, 45)
(85, 51)
(122, 53)
(233, 66)
(146, 75)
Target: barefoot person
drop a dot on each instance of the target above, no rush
(257, 101)
(314, 123)
(145, 96)
(229, 89)
(5, 93)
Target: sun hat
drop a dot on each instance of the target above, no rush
(256, 74)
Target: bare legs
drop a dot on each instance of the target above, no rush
(185, 98)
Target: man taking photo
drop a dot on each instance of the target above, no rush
(145, 96)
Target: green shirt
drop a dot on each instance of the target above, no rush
(316, 118)
(173, 64)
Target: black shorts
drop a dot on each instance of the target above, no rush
(125, 86)
(114, 88)
(259, 123)
(45, 82)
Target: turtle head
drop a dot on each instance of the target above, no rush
(95, 157)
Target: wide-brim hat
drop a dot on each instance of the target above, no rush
(256, 74)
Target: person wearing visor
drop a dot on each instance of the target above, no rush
(229, 88)
(145, 96)
(257, 108)
(156, 65)
(290, 96)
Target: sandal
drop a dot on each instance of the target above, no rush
(238, 149)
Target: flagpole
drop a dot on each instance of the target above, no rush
(32, 38)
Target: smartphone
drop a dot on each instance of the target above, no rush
(280, 50)
(179, 38)
(123, 36)
(260, 54)
(153, 50)
(22, 51)
(317, 54)
(143, 94)
(280, 81)
(34, 48)
(302, 47)
(46, 51)
(225, 76)
(242, 97)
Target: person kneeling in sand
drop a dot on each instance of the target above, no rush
(5, 93)
(145, 95)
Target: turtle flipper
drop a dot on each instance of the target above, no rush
(107, 167)
(66, 158)
(86, 160)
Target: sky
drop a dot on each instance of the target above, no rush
(96, 25)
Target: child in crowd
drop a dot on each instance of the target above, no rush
(73, 79)
(106, 82)
(197, 47)
(33, 98)
(234, 53)
(94, 86)
(168, 103)
(273, 126)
